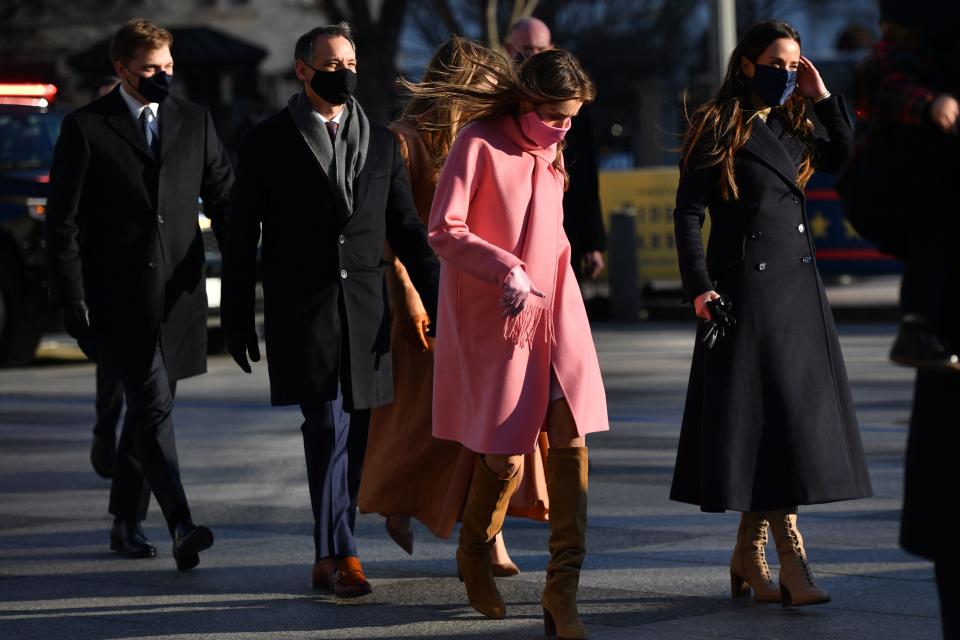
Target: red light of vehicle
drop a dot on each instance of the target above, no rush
(28, 90)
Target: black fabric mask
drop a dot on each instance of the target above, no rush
(156, 88)
(335, 87)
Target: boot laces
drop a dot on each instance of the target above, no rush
(759, 550)
(798, 554)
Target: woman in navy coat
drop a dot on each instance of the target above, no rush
(769, 422)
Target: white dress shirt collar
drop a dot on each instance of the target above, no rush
(136, 107)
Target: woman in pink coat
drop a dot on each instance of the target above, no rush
(513, 353)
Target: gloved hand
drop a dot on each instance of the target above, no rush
(76, 319)
(721, 321)
(239, 344)
(516, 288)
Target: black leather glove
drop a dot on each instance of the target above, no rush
(721, 321)
(76, 319)
(241, 343)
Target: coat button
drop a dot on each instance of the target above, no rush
(160, 219)
(342, 239)
(756, 234)
(754, 205)
(761, 266)
(796, 200)
(152, 264)
(343, 274)
(806, 259)
(801, 228)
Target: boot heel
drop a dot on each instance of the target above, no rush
(739, 588)
(785, 599)
(549, 626)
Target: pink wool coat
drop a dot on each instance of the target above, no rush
(491, 390)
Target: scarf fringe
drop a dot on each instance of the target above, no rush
(521, 329)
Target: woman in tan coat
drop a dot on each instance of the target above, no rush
(407, 472)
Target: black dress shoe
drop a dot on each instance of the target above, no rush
(917, 346)
(188, 541)
(128, 538)
(103, 455)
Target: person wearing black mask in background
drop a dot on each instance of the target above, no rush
(126, 264)
(582, 214)
(324, 187)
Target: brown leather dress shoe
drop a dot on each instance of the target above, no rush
(325, 574)
(351, 581)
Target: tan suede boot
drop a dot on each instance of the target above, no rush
(566, 472)
(483, 516)
(748, 566)
(797, 588)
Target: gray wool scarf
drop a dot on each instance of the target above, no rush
(344, 163)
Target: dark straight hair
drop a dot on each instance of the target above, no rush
(303, 50)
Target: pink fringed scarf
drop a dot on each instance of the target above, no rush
(540, 243)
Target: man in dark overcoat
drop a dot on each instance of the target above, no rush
(324, 188)
(126, 263)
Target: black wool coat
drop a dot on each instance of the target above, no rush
(122, 229)
(582, 213)
(326, 317)
(769, 421)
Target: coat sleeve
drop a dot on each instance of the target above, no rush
(692, 196)
(830, 154)
(217, 181)
(248, 200)
(67, 174)
(449, 233)
(408, 237)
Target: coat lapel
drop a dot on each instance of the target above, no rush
(170, 121)
(764, 145)
(122, 122)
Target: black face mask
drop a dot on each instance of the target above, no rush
(335, 87)
(156, 88)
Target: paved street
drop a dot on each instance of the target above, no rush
(655, 569)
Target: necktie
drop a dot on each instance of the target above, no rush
(332, 130)
(146, 118)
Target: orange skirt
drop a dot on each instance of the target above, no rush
(409, 472)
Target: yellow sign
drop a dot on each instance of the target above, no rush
(650, 194)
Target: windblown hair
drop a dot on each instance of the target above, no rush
(485, 85)
(458, 61)
(721, 126)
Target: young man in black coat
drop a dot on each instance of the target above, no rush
(324, 188)
(127, 265)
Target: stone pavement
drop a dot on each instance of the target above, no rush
(655, 569)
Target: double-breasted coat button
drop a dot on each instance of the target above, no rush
(342, 239)
(152, 264)
(343, 274)
(756, 234)
(160, 219)
(801, 228)
(754, 205)
(762, 266)
(806, 259)
(796, 200)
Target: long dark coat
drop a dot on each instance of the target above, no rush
(122, 230)
(323, 278)
(769, 421)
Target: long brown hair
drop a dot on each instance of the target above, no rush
(494, 87)
(457, 61)
(721, 126)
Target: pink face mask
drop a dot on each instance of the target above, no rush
(539, 131)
